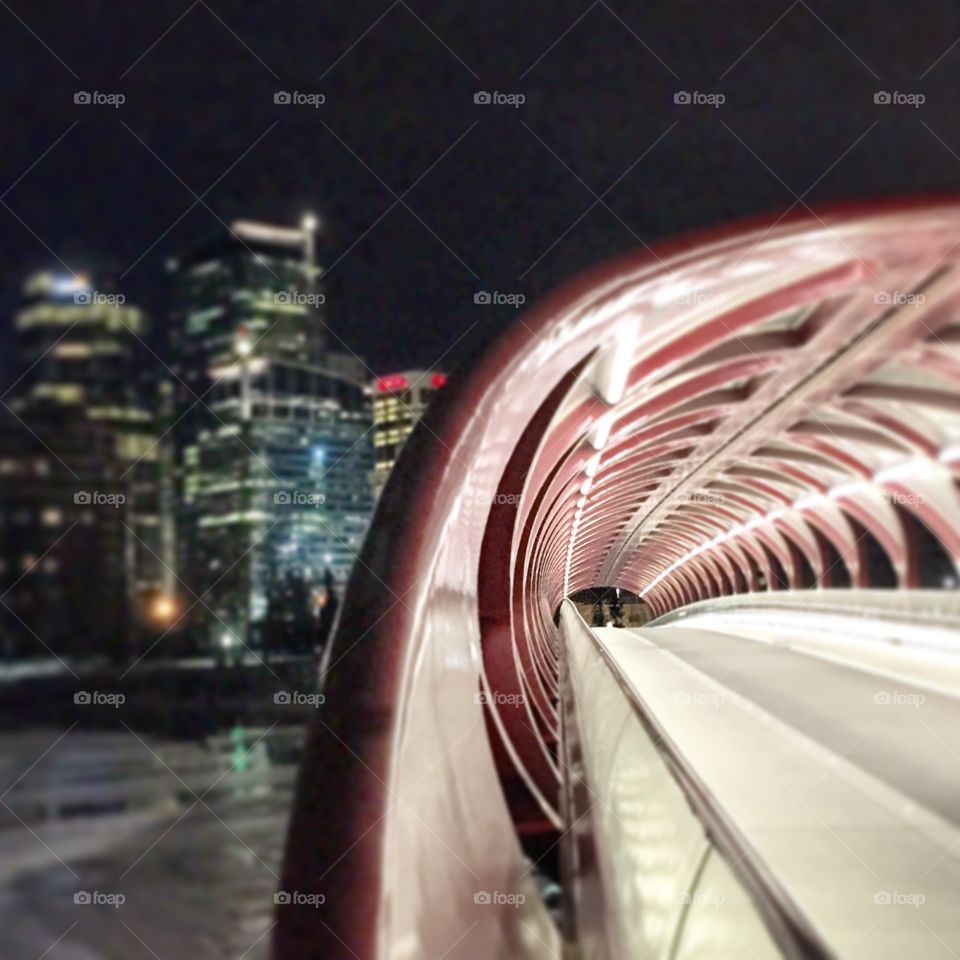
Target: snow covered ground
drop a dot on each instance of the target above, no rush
(190, 873)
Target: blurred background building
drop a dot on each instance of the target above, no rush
(79, 480)
(271, 432)
(399, 401)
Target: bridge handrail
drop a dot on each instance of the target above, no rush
(789, 929)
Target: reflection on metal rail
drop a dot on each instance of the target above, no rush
(659, 896)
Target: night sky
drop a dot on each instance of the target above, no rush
(500, 197)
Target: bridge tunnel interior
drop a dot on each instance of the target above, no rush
(764, 431)
(774, 408)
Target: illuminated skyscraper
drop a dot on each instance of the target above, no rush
(80, 550)
(399, 401)
(273, 432)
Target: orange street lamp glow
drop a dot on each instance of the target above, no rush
(163, 609)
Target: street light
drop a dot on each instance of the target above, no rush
(163, 609)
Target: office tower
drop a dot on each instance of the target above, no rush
(78, 474)
(399, 401)
(272, 436)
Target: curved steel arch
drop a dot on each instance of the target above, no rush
(681, 423)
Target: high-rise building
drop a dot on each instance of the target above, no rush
(399, 401)
(272, 433)
(80, 550)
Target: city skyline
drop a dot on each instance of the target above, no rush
(510, 198)
(238, 474)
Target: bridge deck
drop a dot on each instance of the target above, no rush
(841, 776)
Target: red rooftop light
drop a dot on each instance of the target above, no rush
(393, 381)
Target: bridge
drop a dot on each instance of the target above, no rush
(757, 432)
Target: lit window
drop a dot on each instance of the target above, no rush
(51, 517)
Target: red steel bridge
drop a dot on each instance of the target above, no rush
(757, 432)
